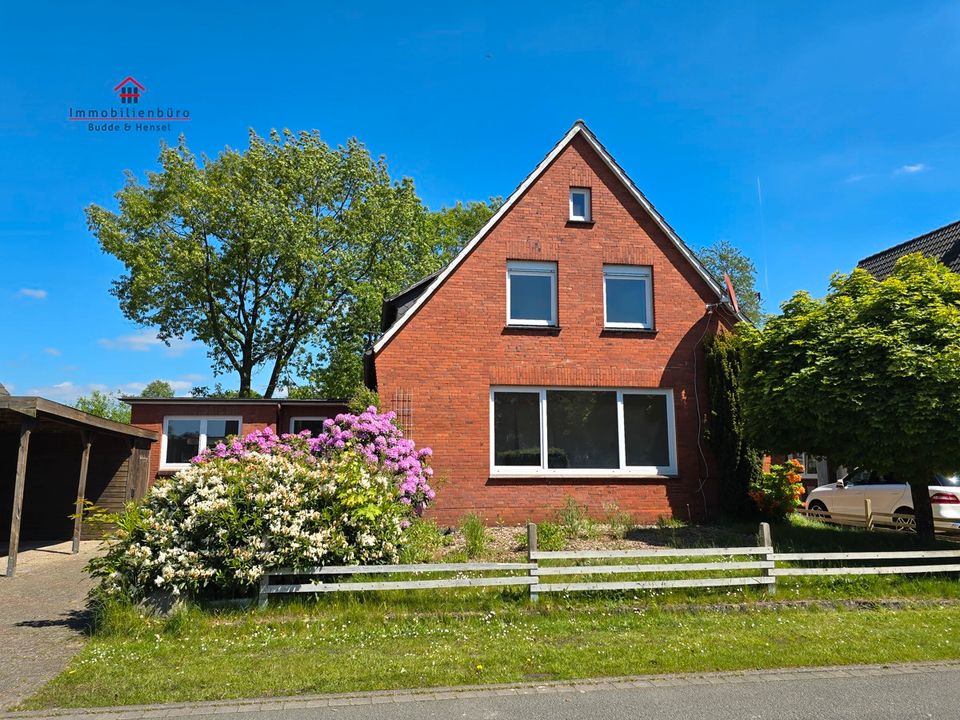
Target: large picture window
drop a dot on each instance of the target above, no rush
(185, 437)
(531, 293)
(572, 432)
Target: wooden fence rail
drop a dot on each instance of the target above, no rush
(459, 570)
(876, 520)
(715, 563)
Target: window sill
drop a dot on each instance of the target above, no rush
(628, 331)
(583, 476)
(536, 329)
(580, 223)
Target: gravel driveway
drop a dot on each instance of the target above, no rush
(41, 616)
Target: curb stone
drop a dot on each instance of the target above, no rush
(731, 677)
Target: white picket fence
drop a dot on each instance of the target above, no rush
(713, 567)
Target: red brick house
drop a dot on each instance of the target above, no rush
(560, 353)
(186, 425)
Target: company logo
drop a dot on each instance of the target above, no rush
(127, 113)
(128, 90)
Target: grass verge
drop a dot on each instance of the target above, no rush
(356, 644)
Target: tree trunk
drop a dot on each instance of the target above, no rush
(246, 378)
(923, 511)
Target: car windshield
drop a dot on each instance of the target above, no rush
(952, 480)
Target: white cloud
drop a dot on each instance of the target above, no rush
(64, 392)
(67, 392)
(911, 169)
(52, 351)
(144, 341)
(180, 387)
(855, 178)
(35, 293)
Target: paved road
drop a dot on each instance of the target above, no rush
(41, 616)
(919, 691)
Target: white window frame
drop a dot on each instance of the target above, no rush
(629, 272)
(587, 204)
(537, 269)
(623, 470)
(164, 465)
(803, 458)
(305, 417)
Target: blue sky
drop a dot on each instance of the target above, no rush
(846, 115)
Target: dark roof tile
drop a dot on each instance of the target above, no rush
(942, 244)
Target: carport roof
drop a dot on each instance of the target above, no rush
(43, 409)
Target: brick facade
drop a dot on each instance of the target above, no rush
(446, 357)
(254, 415)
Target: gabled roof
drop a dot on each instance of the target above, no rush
(579, 129)
(128, 78)
(942, 244)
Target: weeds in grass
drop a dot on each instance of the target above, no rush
(398, 641)
(422, 541)
(670, 523)
(551, 537)
(575, 521)
(474, 535)
(620, 522)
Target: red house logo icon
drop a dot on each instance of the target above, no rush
(129, 90)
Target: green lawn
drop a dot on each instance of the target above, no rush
(349, 645)
(438, 638)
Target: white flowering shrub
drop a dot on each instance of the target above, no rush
(212, 529)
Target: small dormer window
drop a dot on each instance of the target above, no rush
(580, 205)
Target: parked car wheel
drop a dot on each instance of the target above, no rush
(903, 523)
(817, 506)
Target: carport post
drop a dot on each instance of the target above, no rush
(85, 440)
(26, 427)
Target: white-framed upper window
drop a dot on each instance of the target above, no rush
(531, 293)
(314, 424)
(628, 296)
(185, 437)
(580, 210)
(575, 432)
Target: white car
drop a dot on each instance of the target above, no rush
(886, 496)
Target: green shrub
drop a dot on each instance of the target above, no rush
(421, 541)
(363, 398)
(778, 493)
(474, 534)
(550, 536)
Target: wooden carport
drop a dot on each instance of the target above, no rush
(64, 456)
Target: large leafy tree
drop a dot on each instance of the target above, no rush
(158, 389)
(336, 368)
(868, 376)
(104, 405)
(262, 253)
(724, 257)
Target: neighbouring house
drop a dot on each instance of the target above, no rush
(559, 354)
(52, 457)
(942, 244)
(186, 425)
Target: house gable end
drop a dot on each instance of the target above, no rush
(579, 130)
